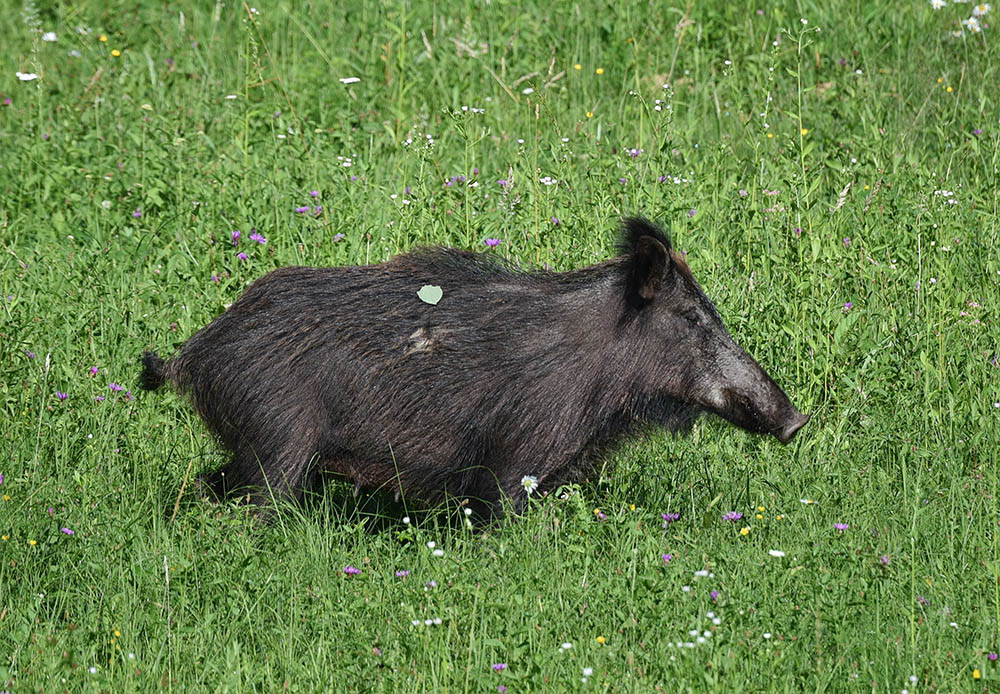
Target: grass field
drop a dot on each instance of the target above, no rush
(831, 171)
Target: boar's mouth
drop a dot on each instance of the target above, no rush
(782, 423)
(797, 421)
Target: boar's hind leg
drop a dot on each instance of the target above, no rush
(261, 478)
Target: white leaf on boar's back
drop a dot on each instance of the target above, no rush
(430, 294)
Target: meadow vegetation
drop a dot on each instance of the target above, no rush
(830, 171)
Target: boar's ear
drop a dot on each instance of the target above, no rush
(648, 264)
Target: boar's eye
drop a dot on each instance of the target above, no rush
(691, 316)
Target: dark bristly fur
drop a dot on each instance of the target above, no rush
(512, 373)
(152, 371)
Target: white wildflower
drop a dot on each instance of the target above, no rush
(530, 483)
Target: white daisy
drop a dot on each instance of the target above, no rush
(530, 483)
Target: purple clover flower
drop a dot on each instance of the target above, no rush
(841, 526)
(338, 237)
(714, 595)
(351, 570)
(29, 354)
(67, 531)
(61, 396)
(848, 306)
(979, 131)
(499, 667)
(692, 212)
(991, 656)
(884, 560)
(669, 518)
(403, 573)
(503, 182)
(555, 221)
(303, 209)
(314, 193)
(236, 237)
(623, 180)
(116, 388)
(241, 256)
(732, 516)
(318, 210)
(93, 370)
(214, 278)
(847, 241)
(258, 238)
(137, 213)
(492, 243)
(1, 478)
(667, 558)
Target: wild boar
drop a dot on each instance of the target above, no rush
(512, 374)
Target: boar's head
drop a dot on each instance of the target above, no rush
(688, 355)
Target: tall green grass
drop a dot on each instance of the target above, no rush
(833, 182)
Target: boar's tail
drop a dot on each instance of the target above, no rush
(153, 371)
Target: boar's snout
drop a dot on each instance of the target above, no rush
(792, 425)
(766, 411)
